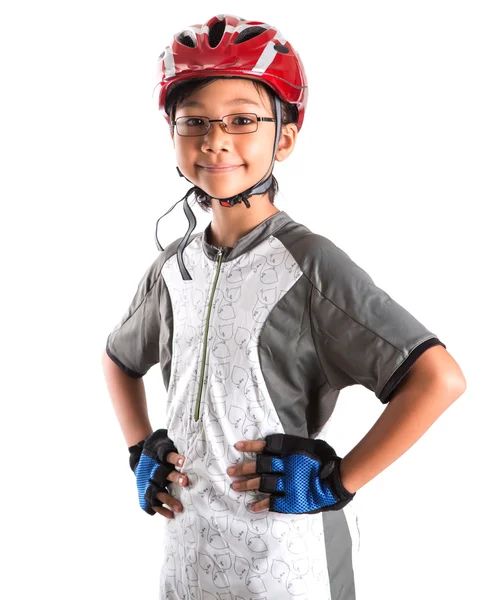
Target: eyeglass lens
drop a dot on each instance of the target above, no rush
(236, 123)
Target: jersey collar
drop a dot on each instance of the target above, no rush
(249, 240)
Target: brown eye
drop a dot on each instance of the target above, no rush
(193, 122)
(240, 120)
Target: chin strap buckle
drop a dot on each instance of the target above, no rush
(235, 200)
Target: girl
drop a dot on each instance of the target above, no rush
(257, 324)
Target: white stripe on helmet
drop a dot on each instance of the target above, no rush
(169, 64)
(266, 58)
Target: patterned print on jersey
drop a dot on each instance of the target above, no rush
(261, 340)
(217, 540)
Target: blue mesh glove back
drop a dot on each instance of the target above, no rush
(148, 462)
(301, 474)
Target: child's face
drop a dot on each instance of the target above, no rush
(251, 151)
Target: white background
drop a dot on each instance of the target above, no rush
(392, 164)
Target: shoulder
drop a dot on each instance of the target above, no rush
(169, 251)
(171, 248)
(323, 262)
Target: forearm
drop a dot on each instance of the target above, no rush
(129, 402)
(409, 414)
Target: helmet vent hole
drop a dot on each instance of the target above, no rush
(186, 39)
(248, 33)
(281, 49)
(215, 33)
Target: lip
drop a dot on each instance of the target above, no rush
(221, 169)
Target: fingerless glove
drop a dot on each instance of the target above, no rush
(301, 474)
(148, 462)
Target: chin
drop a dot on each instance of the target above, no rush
(224, 191)
(222, 194)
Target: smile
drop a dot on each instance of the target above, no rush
(220, 169)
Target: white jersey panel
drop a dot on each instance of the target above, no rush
(217, 548)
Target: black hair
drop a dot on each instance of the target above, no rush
(289, 114)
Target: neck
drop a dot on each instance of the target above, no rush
(229, 224)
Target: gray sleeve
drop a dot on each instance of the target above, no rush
(362, 335)
(134, 343)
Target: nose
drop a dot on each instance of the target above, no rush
(216, 137)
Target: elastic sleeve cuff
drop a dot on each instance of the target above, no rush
(396, 377)
(123, 367)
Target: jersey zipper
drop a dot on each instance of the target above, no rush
(205, 343)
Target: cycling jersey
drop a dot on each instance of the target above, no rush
(261, 340)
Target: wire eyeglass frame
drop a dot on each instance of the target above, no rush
(210, 121)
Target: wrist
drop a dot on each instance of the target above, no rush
(135, 453)
(345, 479)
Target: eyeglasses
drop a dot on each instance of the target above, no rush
(233, 124)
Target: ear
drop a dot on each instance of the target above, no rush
(287, 141)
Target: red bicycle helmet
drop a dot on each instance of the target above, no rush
(229, 45)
